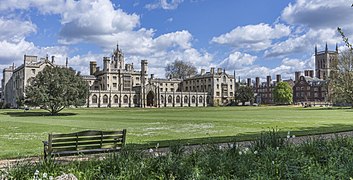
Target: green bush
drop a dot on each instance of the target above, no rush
(269, 157)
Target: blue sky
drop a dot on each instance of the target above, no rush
(251, 37)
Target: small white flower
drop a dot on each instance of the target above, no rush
(45, 175)
(288, 136)
(157, 145)
(273, 162)
(293, 136)
(219, 147)
(255, 152)
(150, 150)
(231, 145)
(240, 153)
(288, 133)
(36, 173)
(51, 178)
(246, 149)
(277, 148)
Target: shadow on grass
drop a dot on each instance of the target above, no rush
(305, 131)
(34, 114)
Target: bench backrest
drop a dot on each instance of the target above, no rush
(86, 140)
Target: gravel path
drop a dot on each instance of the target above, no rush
(297, 140)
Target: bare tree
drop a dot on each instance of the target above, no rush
(180, 69)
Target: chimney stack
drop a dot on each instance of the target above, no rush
(212, 70)
(203, 71)
(219, 71)
(92, 67)
(52, 59)
(278, 78)
(152, 76)
(311, 73)
(248, 82)
(257, 82)
(297, 76)
(268, 78)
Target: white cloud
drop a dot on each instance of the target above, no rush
(89, 20)
(164, 4)
(304, 43)
(253, 37)
(237, 60)
(44, 6)
(318, 13)
(14, 30)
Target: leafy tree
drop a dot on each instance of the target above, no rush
(283, 94)
(55, 88)
(342, 78)
(180, 69)
(245, 94)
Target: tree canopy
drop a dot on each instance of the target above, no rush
(245, 94)
(55, 88)
(283, 93)
(342, 78)
(180, 69)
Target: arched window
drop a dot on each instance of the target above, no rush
(186, 99)
(116, 99)
(105, 99)
(162, 99)
(224, 79)
(208, 99)
(126, 99)
(170, 99)
(200, 99)
(135, 99)
(193, 99)
(94, 99)
(177, 100)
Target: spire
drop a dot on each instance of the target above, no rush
(326, 49)
(67, 61)
(117, 46)
(315, 50)
(336, 47)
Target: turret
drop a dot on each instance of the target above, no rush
(268, 78)
(326, 48)
(144, 71)
(248, 82)
(315, 50)
(297, 76)
(106, 63)
(278, 78)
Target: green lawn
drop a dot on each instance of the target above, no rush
(21, 132)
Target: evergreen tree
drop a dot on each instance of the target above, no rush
(283, 93)
(55, 88)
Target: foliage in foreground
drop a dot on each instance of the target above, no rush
(55, 88)
(268, 158)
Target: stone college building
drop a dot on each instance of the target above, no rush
(119, 84)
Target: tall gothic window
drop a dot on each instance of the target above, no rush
(177, 100)
(200, 99)
(185, 99)
(105, 99)
(116, 99)
(193, 99)
(126, 99)
(170, 99)
(94, 99)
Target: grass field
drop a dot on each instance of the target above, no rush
(21, 132)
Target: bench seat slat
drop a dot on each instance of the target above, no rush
(87, 138)
(87, 133)
(87, 151)
(81, 143)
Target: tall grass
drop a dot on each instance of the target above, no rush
(269, 157)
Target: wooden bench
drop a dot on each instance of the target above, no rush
(84, 142)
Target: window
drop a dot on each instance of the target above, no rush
(116, 99)
(315, 95)
(166, 89)
(231, 93)
(137, 78)
(200, 99)
(161, 89)
(217, 86)
(170, 99)
(172, 89)
(33, 71)
(185, 99)
(217, 93)
(162, 99)
(231, 86)
(114, 77)
(308, 94)
(308, 88)
(208, 99)
(193, 99)
(94, 99)
(126, 99)
(105, 99)
(114, 85)
(177, 100)
(135, 99)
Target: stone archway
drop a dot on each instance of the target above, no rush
(150, 99)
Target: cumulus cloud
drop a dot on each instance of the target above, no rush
(253, 37)
(237, 60)
(44, 6)
(303, 43)
(318, 13)
(164, 4)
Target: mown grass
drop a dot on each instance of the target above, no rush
(21, 132)
(269, 157)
